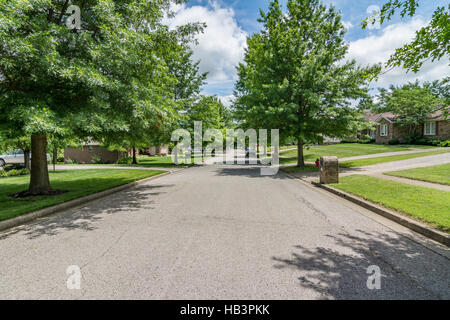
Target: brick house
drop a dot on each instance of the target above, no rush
(88, 151)
(436, 127)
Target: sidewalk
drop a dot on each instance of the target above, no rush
(419, 183)
(378, 170)
(399, 165)
(388, 154)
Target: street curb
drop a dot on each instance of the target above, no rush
(17, 221)
(418, 227)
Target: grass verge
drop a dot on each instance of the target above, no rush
(307, 168)
(372, 161)
(427, 205)
(343, 150)
(145, 162)
(79, 183)
(436, 174)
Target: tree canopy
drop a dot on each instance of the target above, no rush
(412, 103)
(295, 77)
(97, 81)
(431, 42)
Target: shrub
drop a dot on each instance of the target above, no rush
(14, 172)
(349, 140)
(445, 144)
(366, 141)
(70, 161)
(126, 160)
(96, 160)
(394, 142)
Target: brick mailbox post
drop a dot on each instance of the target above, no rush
(329, 170)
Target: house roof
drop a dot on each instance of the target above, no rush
(439, 114)
(389, 116)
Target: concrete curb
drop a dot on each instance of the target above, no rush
(416, 226)
(14, 222)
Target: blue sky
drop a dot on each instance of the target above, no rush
(229, 22)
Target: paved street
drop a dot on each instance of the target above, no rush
(220, 232)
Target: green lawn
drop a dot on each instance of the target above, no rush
(308, 168)
(437, 174)
(428, 205)
(343, 150)
(372, 161)
(145, 161)
(79, 183)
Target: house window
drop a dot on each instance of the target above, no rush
(384, 130)
(430, 128)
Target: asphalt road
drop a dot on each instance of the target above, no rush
(220, 232)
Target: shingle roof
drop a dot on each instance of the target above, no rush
(437, 115)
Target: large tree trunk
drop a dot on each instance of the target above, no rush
(39, 182)
(26, 156)
(134, 156)
(301, 159)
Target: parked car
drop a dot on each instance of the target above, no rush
(15, 157)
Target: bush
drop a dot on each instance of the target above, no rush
(445, 144)
(96, 160)
(394, 142)
(70, 161)
(126, 160)
(14, 172)
(349, 140)
(430, 142)
(365, 140)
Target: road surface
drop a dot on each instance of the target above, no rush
(220, 232)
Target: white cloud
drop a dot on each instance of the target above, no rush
(378, 48)
(227, 100)
(347, 24)
(221, 47)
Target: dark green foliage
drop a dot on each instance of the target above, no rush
(295, 77)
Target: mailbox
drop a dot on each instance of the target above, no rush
(329, 170)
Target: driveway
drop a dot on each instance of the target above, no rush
(414, 163)
(220, 232)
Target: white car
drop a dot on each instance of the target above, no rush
(15, 157)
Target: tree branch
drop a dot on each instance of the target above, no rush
(64, 8)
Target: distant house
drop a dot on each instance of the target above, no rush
(386, 127)
(158, 151)
(92, 152)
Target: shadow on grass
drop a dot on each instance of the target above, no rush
(409, 270)
(125, 202)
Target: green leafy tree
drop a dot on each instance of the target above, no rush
(86, 82)
(431, 42)
(295, 78)
(208, 110)
(440, 88)
(411, 103)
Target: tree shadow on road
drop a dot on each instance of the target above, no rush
(249, 171)
(340, 271)
(84, 218)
